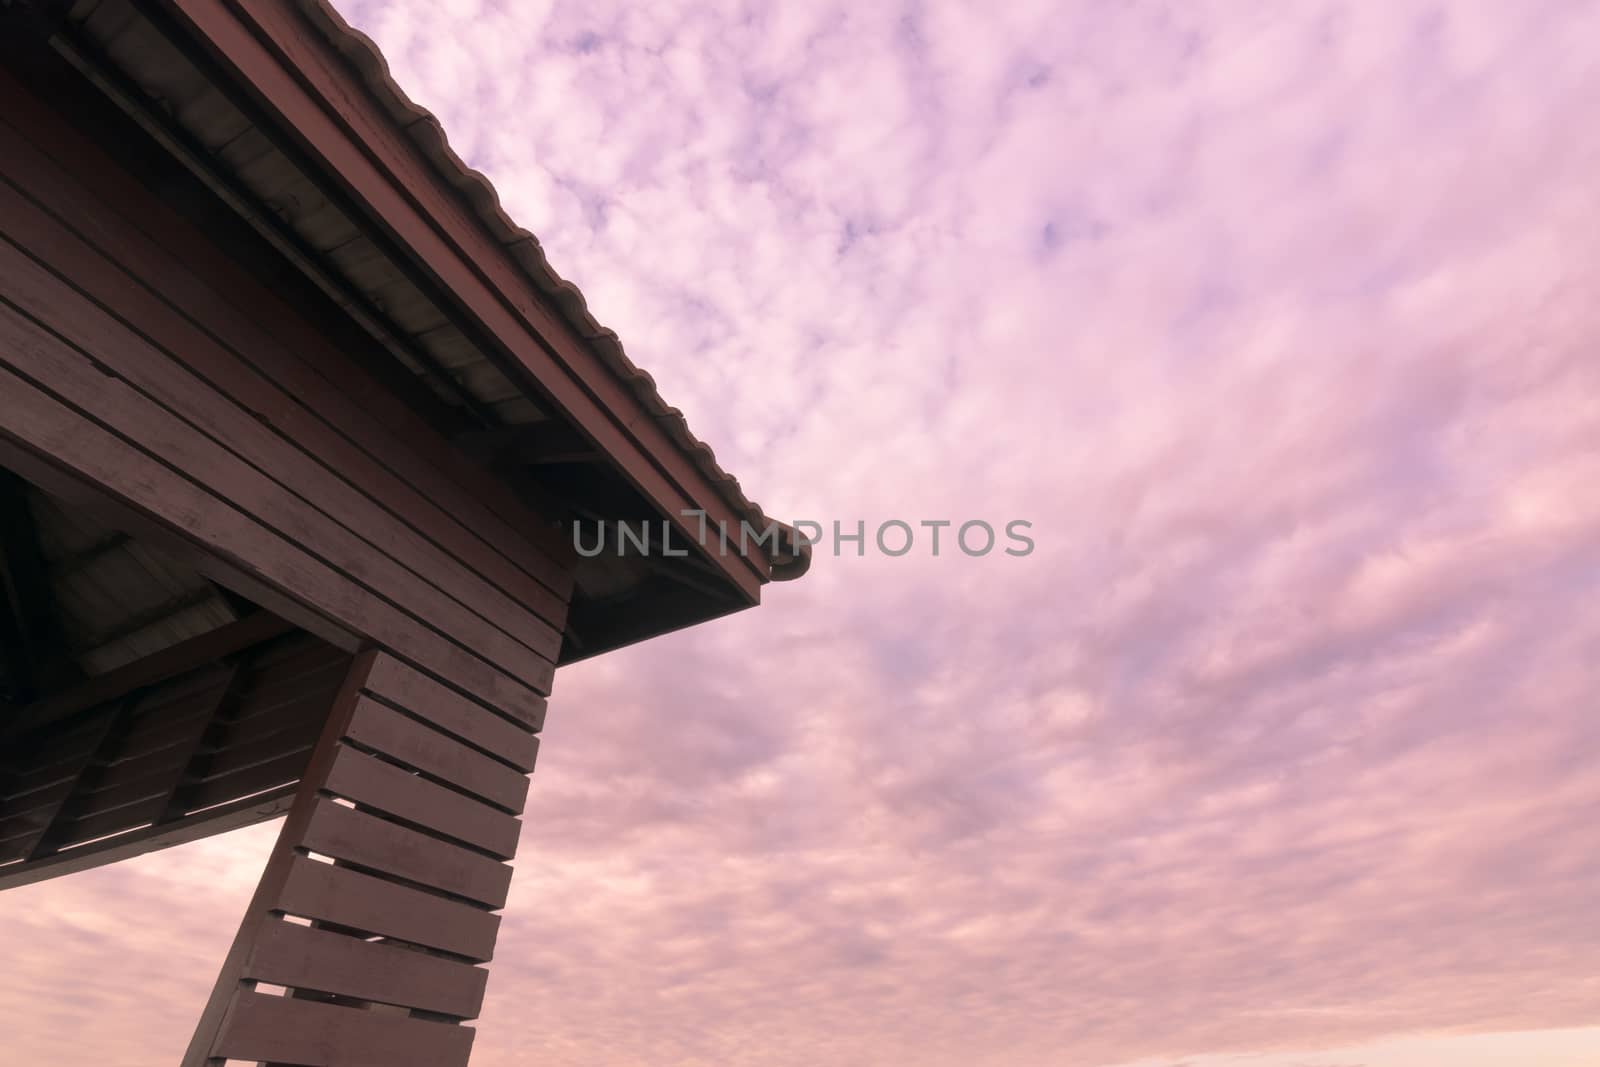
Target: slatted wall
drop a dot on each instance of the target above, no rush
(138, 359)
(236, 732)
(378, 905)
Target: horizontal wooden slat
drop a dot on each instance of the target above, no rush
(372, 783)
(313, 1034)
(101, 823)
(453, 713)
(372, 842)
(184, 690)
(364, 902)
(208, 284)
(303, 957)
(181, 420)
(114, 776)
(222, 788)
(94, 802)
(55, 435)
(299, 716)
(426, 749)
(192, 318)
(49, 759)
(346, 131)
(271, 693)
(156, 730)
(149, 839)
(270, 749)
(28, 806)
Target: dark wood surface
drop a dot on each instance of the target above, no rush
(308, 958)
(506, 736)
(384, 787)
(374, 905)
(161, 749)
(95, 364)
(428, 750)
(397, 868)
(317, 96)
(428, 483)
(49, 428)
(374, 843)
(291, 1031)
(262, 419)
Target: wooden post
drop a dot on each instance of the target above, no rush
(378, 900)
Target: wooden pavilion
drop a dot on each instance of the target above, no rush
(296, 427)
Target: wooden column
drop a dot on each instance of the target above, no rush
(378, 904)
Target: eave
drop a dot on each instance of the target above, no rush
(522, 358)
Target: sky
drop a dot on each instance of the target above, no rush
(1279, 749)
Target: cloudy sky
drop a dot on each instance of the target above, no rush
(1281, 749)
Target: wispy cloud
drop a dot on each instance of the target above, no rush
(1278, 325)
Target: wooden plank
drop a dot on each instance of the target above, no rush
(64, 483)
(164, 726)
(372, 783)
(278, 701)
(460, 507)
(59, 436)
(360, 901)
(103, 822)
(173, 803)
(124, 405)
(50, 762)
(218, 820)
(224, 788)
(136, 773)
(226, 990)
(282, 438)
(304, 957)
(453, 713)
(431, 752)
(290, 716)
(401, 192)
(286, 1030)
(366, 840)
(122, 791)
(109, 728)
(169, 662)
(276, 749)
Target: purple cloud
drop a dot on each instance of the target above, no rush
(1278, 326)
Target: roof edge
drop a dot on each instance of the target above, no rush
(793, 556)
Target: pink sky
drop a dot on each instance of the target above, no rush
(1281, 750)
